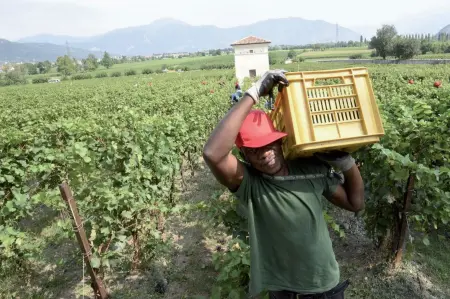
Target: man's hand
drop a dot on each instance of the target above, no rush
(266, 83)
(339, 160)
(350, 195)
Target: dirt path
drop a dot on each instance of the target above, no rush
(192, 272)
(186, 270)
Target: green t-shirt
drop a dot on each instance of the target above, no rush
(290, 245)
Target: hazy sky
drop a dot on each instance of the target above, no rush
(21, 18)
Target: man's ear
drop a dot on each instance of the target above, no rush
(241, 155)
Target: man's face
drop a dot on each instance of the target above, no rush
(267, 159)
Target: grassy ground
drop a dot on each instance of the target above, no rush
(424, 274)
(336, 53)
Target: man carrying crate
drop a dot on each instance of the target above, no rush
(291, 250)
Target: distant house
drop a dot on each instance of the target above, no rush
(180, 54)
(251, 57)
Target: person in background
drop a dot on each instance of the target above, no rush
(237, 95)
(291, 249)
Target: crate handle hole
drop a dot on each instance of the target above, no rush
(328, 81)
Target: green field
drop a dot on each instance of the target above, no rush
(336, 53)
(193, 63)
(130, 148)
(227, 61)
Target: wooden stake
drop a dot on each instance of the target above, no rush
(77, 224)
(404, 221)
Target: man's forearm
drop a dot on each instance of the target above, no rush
(354, 187)
(224, 135)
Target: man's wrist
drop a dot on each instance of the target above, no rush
(347, 164)
(253, 93)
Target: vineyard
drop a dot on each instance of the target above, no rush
(118, 143)
(127, 145)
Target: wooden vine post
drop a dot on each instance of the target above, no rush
(77, 224)
(403, 225)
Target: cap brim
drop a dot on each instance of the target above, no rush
(264, 140)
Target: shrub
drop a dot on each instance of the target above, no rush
(39, 80)
(81, 76)
(158, 71)
(406, 48)
(216, 66)
(447, 49)
(130, 73)
(147, 71)
(12, 78)
(233, 265)
(116, 74)
(101, 75)
(356, 56)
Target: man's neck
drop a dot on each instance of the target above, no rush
(284, 170)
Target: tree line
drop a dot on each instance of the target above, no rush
(323, 46)
(387, 42)
(66, 66)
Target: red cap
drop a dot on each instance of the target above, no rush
(257, 131)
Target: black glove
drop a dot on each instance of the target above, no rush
(267, 82)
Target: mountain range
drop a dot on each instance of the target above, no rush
(169, 36)
(445, 30)
(29, 52)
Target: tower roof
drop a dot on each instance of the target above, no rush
(249, 40)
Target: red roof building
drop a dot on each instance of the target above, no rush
(250, 40)
(251, 57)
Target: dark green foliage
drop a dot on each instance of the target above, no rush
(406, 48)
(39, 80)
(356, 56)
(12, 78)
(101, 75)
(383, 42)
(130, 73)
(147, 71)
(82, 76)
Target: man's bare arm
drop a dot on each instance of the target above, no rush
(217, 151)
(350, 195)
